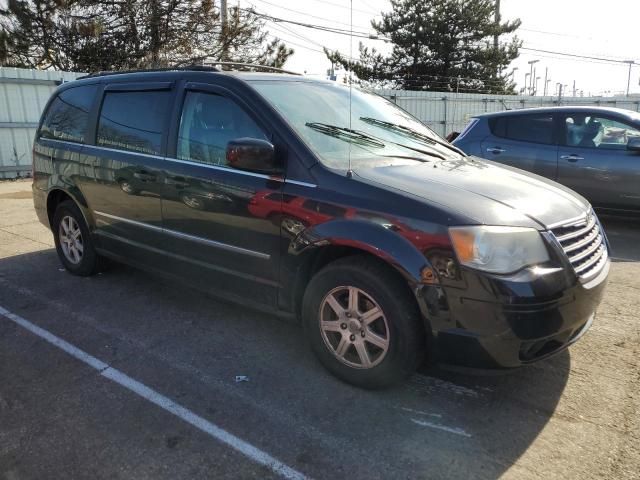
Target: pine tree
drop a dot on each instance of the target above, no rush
(441, 45)
(94, 35)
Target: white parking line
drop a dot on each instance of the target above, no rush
(156, 398)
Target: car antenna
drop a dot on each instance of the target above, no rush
(349, 171)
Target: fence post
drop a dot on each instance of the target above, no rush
(444, 129)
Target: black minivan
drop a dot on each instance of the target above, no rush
(323, 203)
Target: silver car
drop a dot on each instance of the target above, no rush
(592, 150)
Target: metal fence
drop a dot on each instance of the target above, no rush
(24, 93)
(447, 112)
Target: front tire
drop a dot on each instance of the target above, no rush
(362, 323)
(73, 240)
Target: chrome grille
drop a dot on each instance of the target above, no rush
(584, 244)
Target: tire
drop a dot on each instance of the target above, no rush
(397, 327)
(85, 261)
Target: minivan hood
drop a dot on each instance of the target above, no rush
(483, 191)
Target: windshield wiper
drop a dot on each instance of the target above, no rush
(410, 132)
(357, 136)
(346, 134)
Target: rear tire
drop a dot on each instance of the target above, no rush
(362, 323)
(73, 241)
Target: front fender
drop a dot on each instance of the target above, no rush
(369, 237)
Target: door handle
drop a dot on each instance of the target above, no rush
(572, 158)
(145, 176)
(495, 150)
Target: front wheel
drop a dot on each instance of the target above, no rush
(362, 323)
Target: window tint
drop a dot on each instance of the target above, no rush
(133, 120)
(583, 130)
(525, 128)
(68, 114)
(208, 123)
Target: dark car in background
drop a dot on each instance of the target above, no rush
(592, 150)
(314, 201)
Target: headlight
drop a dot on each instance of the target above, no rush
(498, 249)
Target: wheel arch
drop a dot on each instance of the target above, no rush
(58, 194)
(320, 245)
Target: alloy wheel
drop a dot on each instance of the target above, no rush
(354, 327)
(70, 237)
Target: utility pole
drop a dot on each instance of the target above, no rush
(630, 62)
(531, 77)
(546, 81)
(496, 35)
(497, 17)
(224, 36)
(526, 76)
(535, 88)
(560, 93)
(574, 88)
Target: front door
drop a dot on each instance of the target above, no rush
(127, 157)
(215, 236)
(594, 160)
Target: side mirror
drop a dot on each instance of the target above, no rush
(634, 145)
(252, 154)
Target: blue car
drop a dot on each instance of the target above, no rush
(592, 150)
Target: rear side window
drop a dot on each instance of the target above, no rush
(133, 121)
(68, 114)
(525, 128)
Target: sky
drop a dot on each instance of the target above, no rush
(596, 28)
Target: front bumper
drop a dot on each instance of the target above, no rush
(506, 322)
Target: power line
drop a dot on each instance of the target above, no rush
(309, 15)
(324, 28)
(347, 7)
(574, 55)
(359, 34)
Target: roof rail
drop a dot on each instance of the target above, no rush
(207, 66)
(204, 68)
(247, 66)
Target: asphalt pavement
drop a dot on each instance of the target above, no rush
(123, 375)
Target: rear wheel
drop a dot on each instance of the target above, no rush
(362, 323)
(73, 241)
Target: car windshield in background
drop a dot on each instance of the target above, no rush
(379, 133)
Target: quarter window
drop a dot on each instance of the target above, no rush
(68, 114)
(208, 123)
(524, 128)
(133, 121)
(589, 131)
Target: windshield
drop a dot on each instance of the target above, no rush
(380, 133)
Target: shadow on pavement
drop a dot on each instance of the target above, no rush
(437, 424)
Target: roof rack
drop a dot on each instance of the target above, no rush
(203, 68)
(206, 66)
(247, 66)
